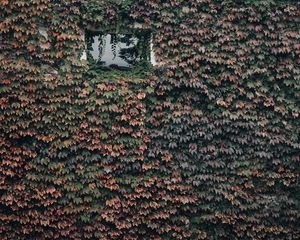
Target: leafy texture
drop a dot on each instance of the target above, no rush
(205, 146)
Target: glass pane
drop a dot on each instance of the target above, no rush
(118, 50)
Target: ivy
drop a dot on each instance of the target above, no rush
(204, 146)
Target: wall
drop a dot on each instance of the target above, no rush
(204, 147)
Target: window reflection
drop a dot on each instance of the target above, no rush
(118, 50)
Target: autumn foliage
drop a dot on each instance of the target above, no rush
(205, 146)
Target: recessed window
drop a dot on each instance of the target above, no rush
(121, 51)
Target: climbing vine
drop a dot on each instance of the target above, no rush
(205, 146)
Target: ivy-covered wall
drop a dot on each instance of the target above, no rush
(206, 146)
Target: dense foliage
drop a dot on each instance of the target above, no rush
(204, 147)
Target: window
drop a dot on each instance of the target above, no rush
(122, 50)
